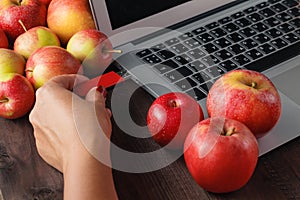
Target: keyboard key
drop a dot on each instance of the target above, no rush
(243, 22)
(294, 11)
(209, 48)
(212, 25)
(283, 17)
(197, 66)
(266, 48)
(254, 54)
(225, 20)
(267, 12)
(249, 43)
(178, 74)
(278, 7)
(248, 32)
(143, 53)
(231, 27)
(228, 65)
(255, 17)
(235, 37)
(285, 28)
(262, 5)
(272, 21)
(166, 66)
(218, 32)
(152, 59)
(179, 48)
(206, 86)
(291, 37)
(186, 84)
(237, 15)
(290, 3)
(172, 41)
(205, 38)
(279, 43)
(196, 53)
(214, 71)
(295, 22)
(199, 30)
(223, 54)
(259, 27)
(222, 42)
(241, 60)
(250, 10)
(274, 33)
(158, 47)
(192, 43)
(196, 94)
(186, 36)
(261, 38)
(182, 59)
(165, 54)
(201, 77)
(236, 49)
(210, 60)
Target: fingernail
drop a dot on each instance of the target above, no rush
(102, 90)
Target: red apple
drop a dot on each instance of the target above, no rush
(247, 96)
(11, 61)
(3, 40)
(16, 95)
(31, 12)
(46, 2)
(170, 118)
(66, 18)
(33, 39)
(93, 49)
(221, 154)
(50, 61)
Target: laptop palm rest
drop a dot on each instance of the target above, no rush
(288, 126)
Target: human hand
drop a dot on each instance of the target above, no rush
(59, 114)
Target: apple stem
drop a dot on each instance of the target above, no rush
(253, 84)
(22, 24)
(4, 100)
(112, 51)
(230, 132)
(173, 103)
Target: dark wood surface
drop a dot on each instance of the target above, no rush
(24, 175)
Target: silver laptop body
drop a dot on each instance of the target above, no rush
(201, 40)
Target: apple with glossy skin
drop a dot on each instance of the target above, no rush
(11, 61)
(170, 118)
(50, 61)
(93, 49)
(34, 39)
(66, 18)
(31, 12)
(221, 154)
(16, 95)
(247, 96)
(3, 40)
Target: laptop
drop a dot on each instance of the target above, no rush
(184, 45)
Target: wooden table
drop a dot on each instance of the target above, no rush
(24, 175)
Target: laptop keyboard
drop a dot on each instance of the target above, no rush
(256, 38)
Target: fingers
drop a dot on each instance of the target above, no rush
(67, 81)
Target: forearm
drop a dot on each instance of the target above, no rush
(87, 178)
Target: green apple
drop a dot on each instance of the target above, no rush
(34, 39)
(10, 61)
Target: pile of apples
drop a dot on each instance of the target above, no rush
(221, 151)
(40, 39)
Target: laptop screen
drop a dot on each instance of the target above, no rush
(122, 13)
